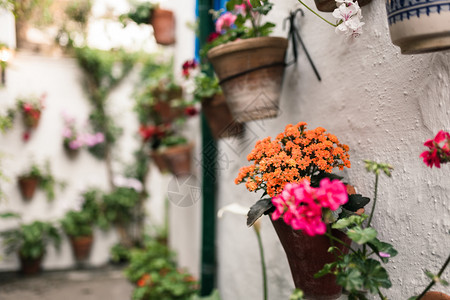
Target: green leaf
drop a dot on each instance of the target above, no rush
(7, 215)
(258, 209)
(361, 236)
(375, 276)
(349, 221)
(350, 279)
(327, 269)
(377, 246)
(413, 298)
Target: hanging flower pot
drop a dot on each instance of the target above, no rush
(178, 159)
(163, 22)
(306, 256)
(219, 117)
(30, 266)
(251, 74)
(27, 185)
(81, 246)
(167, 112)
(419, 26)
(159, 161)
(330, 5)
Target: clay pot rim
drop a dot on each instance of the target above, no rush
(28, 177)
(177, 148)
(248, 44)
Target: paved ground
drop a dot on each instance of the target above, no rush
(106, 283)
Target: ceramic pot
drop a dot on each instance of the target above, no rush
(159, 161)
(306, 256)
(32, 121)
(166, 112)
(178, 159)
(435, 296)
(419, 26)
(163, 22)
(251, 74)
(30, 266)
(81, 247)
(219, 117)
(330, 5)
(28, 186)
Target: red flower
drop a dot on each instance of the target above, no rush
(190, 111)
(437, 154)
(143, 280)
(27, 107)
(150, 131)
(188, 65)
(212, 37)
(26, 136)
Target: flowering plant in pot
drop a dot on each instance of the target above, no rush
(162, 20)
(249, 64)
(29, 241)
(298, 155)
(177, 154)
(31, 110)
(207, 91)
(38, 177)
(153, 270)
(78, 225)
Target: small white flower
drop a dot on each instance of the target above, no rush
(349, 18)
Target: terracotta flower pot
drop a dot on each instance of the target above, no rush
(166, 112)
(32, 121)
(306, 256)
(28, 186)
(219, 117)
(71, 153)
(178, 159)
(435, 296)
(30, 266)
(419, 26)
(163, 22)
(159, 161)
(251, 74)
(330, 5)
(81, 246)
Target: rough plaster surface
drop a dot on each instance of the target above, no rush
(384, 105)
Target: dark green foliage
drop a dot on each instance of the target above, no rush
(118, 205)
(139, 13)
(46, 181)
(30, 240)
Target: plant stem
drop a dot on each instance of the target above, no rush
(339, 241)
(374, 200)
(433, 282)
(263, 263)
(316, 13)
(382, 297)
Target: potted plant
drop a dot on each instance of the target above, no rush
(177, 154)
(295, 155)
(73, 141)
(167, 101)
(249, 64)
(419, 28)
(154, 272)
(78, 225)
(29, 241)
(31, 109)
(207, 91)
(38, 177)
(162, 20)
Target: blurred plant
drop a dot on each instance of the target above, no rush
(31, 109)
(154, 272)
(242, 20)
(119, 253)
(76, 223)
(139, 13)
(6, 120)
(46, 181)
(30, 240)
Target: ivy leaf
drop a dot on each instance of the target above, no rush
(355, 202)
(258, 209)
(377, 246)
(362, 236)
(375, 276)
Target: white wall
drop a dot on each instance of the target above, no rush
(384, 105)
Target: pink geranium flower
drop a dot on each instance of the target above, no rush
(301, 205)
(225, 21)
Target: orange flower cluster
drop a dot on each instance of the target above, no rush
(294, 155)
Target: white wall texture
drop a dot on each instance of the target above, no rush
(384, 105)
